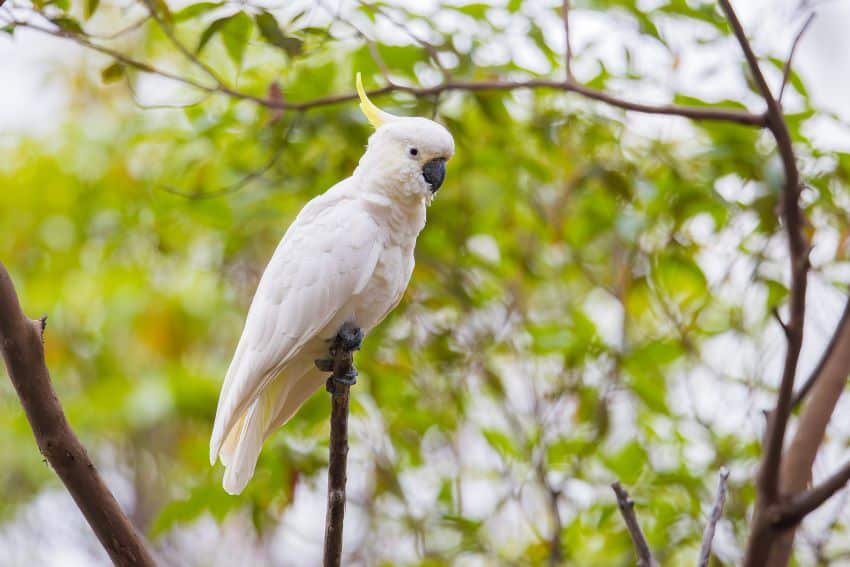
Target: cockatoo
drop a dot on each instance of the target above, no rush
(345, 260)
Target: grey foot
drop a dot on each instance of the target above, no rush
(348, 379)
(349, 337)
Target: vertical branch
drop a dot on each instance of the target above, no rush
(21, 342)
(716, 514)
(339, 384)
(627, 509)
(763, 533)
(568, 48)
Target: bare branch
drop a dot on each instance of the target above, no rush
(694, 113)
(763, 535)
(343, 377)
(627, 509)
(793, 217)
(786, 72)
(841, 330)
(716, 514)
(23, 352)
(568, 49)
(792, 512)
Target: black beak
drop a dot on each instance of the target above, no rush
(434, 172)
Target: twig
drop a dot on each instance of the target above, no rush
(826, 357)
(716, 514)
(339, 385)
(23, 351)
(786, 72)
(627, 509)
(568, 49)
(792, 512)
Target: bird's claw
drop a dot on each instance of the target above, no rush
(347, 379)
(349, 337)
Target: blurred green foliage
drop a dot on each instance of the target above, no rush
(561, 288)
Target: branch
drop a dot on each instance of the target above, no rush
(21, 341)
(786, 72)
(793, 512)
(716, 514)
(763, 535)
(568, 49)
(821, 392)
(841, 335)
(768, 484)
(627, 509)
(345, 343)
(692, 112)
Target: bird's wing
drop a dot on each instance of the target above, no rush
(327, 256)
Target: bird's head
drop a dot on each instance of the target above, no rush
(405, 156)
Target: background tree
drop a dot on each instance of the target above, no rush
(596, 297)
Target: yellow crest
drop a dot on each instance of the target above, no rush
(374, 115)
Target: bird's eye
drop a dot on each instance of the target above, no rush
(413, 151)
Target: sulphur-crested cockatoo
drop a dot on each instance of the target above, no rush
(346, 259)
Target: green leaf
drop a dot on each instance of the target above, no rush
(235, 31)
(113, 73)
(235, 34)
(91, 7)
(271, 32)
(68, 24)
(194, 10)
(501, 443)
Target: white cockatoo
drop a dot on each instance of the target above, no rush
(345, 260)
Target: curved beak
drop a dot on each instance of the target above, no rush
(434, 173)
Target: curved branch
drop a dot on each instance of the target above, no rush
(716, 514)
(23, 351)
(793, 512)
(692, 112)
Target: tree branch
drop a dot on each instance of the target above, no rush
(627, 509)
(21, 341)
(343, 377)
(786, 72)
(716, 514)
(762, 534)
(694, 113)
(792, 512)
(568, 49)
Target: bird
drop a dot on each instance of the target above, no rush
(343, 264)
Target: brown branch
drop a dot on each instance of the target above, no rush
(343, 377)
(716, 514)
(821, 391)
(627, 509)
(694, 113)
(841, 335)
(792, 512)
(568, 49)
(786, 72)
(21, 341)
(762, 534)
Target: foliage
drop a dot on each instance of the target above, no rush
(572, 287)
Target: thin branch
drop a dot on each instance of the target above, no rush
(786, 72)
(568, 49)
(627, 509)
(694, 113)
(792, 512)
(763, 534)
(793, 217)
(716, 514)
(828, 353)
(21, 342)
(345, 343)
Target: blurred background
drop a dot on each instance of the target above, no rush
(592, 298)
